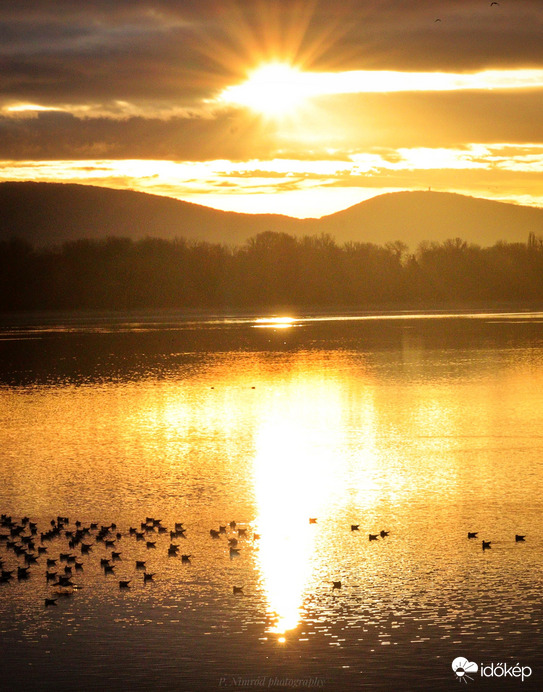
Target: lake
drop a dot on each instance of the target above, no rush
(309, 434)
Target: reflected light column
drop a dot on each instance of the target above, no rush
(294, 479)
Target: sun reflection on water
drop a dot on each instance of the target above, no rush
(296, 446)
(275, 322)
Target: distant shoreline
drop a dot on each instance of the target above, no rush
(166, 315)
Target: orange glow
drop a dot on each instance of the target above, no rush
(274, 89)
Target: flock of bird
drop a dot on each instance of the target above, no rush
(492, 4)
(31, 548)
(488, 544)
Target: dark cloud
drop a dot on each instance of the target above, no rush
(163, 55)
(54, 135)
(438, 119)
(367, 120)
(71, 51)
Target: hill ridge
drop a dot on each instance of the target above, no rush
(50, 213)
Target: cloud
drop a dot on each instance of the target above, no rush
(132, 81)
(182, 52)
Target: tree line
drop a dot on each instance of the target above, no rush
(270, 270)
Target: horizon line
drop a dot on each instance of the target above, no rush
(426, 190)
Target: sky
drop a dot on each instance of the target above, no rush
(285, 106)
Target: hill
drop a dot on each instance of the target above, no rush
(417, 216)
(47, 213)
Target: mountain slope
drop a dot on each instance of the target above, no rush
(417, 216)
(46, 213)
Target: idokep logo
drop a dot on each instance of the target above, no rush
(462, 667)
(465, 670)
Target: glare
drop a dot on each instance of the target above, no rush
(296, 453)
(277, 88)
(275, 322)
(29, 108)
(274, 89)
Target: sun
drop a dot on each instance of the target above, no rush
(273, 89)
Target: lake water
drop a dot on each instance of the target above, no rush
(425, 426)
